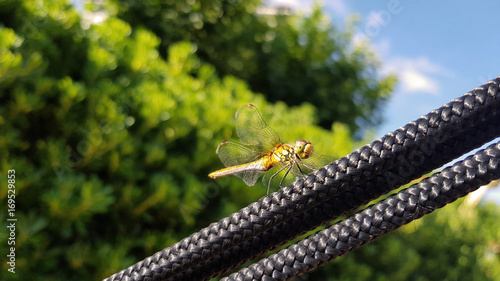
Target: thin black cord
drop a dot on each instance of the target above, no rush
(379, 219)
(387, 161)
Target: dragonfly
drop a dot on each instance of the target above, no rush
(261, 150)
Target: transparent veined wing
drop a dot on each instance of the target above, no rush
(253, 130)
(235, 154)
(316, 162)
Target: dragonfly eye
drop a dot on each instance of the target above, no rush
(304, 149)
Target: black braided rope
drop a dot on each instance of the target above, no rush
(324, 213)
(421, 138)
(379, 219)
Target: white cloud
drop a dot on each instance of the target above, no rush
(337, 7)
(417, 75)
(414, 81)
(296, 5)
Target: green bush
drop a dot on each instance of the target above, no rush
(112, 144)
(282, 56)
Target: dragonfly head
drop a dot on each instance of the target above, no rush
(303, 149)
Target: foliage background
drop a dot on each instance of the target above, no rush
(112, 128)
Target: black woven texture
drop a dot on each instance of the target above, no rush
(355, 179)
(379, 219)
(328, 211)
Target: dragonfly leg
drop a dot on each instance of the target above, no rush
(308, 166)
(287, 171)
(274, 175)
(300, 170)
(293, 168)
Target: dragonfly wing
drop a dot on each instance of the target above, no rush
(249, 177)
(315, 162)
(233, 154)
(253, 130)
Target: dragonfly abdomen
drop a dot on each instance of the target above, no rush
(258, 165)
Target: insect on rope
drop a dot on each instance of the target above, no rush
(261, 150)
(352, 181)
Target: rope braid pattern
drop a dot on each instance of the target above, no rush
(379, 219)
(321, 214)
(381, 163)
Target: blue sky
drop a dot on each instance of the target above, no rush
(438, 49)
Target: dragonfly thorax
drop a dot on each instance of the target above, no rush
(283, 153)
